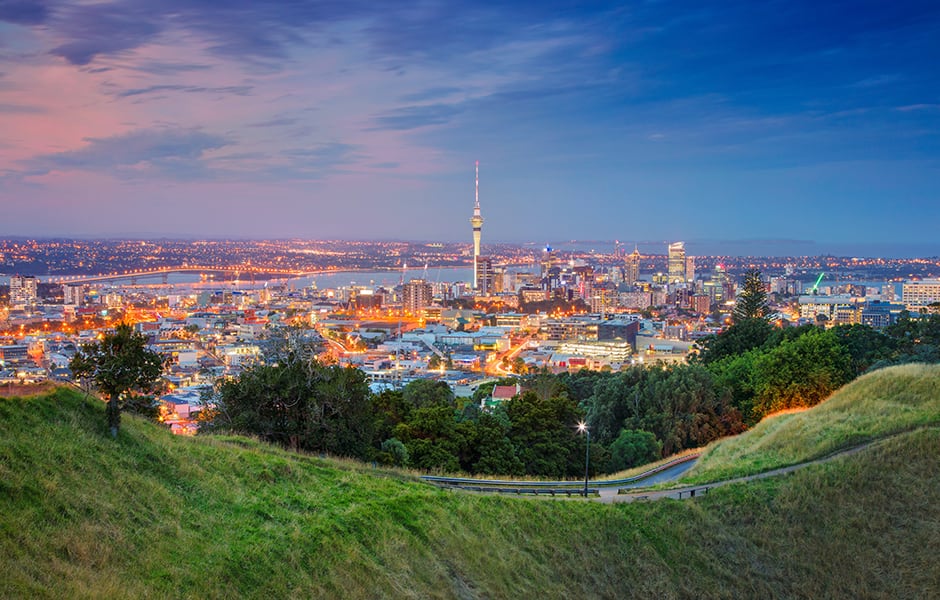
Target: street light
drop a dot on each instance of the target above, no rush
(583, 428)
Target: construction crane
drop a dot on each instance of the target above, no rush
(815, 289)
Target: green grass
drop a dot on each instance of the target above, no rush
(875, 405)
(153, 515)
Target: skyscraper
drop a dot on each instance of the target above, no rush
(485, 275)
(477, 222)
(677, 262)
(631, 272)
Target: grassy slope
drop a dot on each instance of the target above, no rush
(151, 515)
(873, 406)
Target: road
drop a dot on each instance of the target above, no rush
(612, 491)
(659, 474)
(509, 355)
(692, 491)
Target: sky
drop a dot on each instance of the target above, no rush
(733, 124)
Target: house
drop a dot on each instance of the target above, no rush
(500, 394)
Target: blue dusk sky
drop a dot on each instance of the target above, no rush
(812, 125)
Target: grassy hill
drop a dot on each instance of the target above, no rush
(873, 406)
(152, 515)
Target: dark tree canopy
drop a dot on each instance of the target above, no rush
(544, 435)
(752, 301)
(118, 365)
(633, 447)
(297, 403)
(735, 340)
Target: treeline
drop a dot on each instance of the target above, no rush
(767, 369)
(635, 416)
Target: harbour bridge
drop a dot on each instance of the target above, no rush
(134, 274)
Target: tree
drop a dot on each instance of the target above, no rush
(299, 404)
(118, 365)
(632, 448)
(682, 407)
(800, 372)
(737, 339)
(865, 346)
(544, 435)
(431, 437)
(393, 453)
(422, 393)
(752, 301)
(734, 375)
(486, 447)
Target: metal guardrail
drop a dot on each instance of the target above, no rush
(572, 491)
(564, 486)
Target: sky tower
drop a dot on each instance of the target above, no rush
(477, 221)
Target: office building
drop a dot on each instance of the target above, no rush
(485, 276)
(631, 272)
(676, 271)
(919, 294)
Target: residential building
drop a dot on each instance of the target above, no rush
(24, 291)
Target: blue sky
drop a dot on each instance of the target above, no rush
(806, 121)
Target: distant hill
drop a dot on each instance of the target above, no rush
(153, 515)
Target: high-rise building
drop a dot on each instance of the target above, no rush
(477, 222)
(676, 262)
(631, 272)
(24, 290)
(701, 303)
(690, 268)
(416, 294)
(485, 276)
(73, 295)
(548, 262)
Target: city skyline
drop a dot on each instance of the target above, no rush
(812, 129)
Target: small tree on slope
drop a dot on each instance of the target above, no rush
(118, 364)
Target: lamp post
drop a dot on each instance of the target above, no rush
(583, 428)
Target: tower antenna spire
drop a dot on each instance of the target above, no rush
(476, 190)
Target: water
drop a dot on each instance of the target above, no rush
(326, 280)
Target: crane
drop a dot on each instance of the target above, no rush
(815, 289)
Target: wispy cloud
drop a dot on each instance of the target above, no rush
(170, 151)
(414, 117)
(20, 108)
(918, 107)
(433, 93)
(237, 90)
(95, 29)
(24, 12)
(277, 122)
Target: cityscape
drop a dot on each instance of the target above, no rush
(316, 299)
(209, 306)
